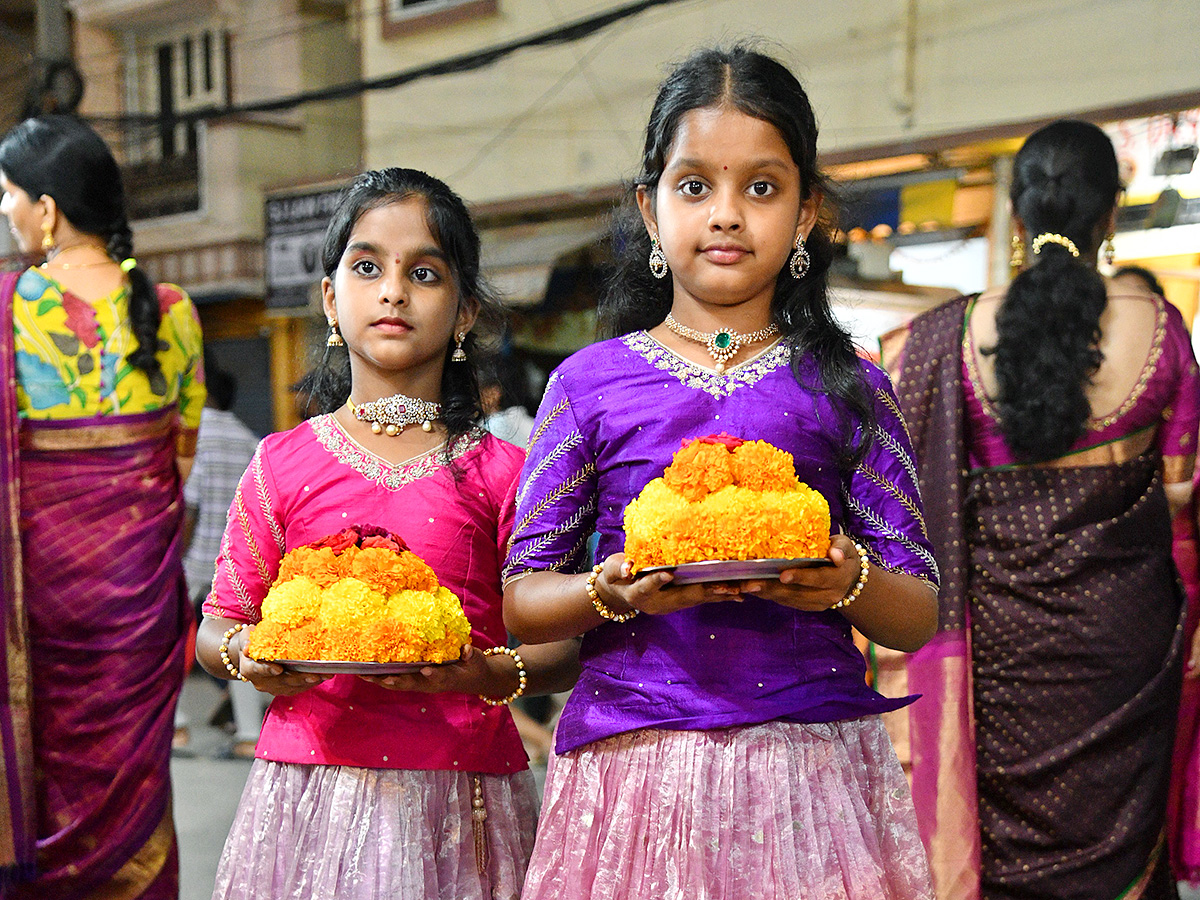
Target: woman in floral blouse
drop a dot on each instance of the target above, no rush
(98, 428)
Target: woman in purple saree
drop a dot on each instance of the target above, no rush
(1055, 424)
(97, 421)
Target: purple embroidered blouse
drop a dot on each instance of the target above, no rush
(611, 420)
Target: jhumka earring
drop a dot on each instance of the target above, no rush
(335, 337)
(798, 264)
(1110, 252)
(459, 355)
(1018, 252)
(47, 237)
(658, 259)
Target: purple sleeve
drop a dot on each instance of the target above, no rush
(556, 502)
(883, 502)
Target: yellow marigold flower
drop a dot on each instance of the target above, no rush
(767, 514)
(293, 602)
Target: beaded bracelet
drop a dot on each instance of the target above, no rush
(864, 569)
(224, 651)
(521, 677)
(594, 595)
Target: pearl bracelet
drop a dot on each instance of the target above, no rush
(864, 570)
(594, 596)
(224, 651)
(522, 679)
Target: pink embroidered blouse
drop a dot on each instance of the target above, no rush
(315, 480)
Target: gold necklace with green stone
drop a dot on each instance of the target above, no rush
(722, 345)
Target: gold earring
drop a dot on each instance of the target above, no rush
(798, 264)
(658, 259)
(1110, 252)
(1017, 260)
(335, 337)
(459, 355)
(47, 237)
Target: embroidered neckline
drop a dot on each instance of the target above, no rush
(1093, 423)
(696, 376)
(393, 476)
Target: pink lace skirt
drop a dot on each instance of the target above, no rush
(767, 811)
(304, 832)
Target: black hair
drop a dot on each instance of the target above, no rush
(1148, 278)
(758, 85)
(62, 157)
(1065, 183)
(328, 385)
(220, 383)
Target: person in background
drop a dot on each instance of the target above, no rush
(103, 387)
(1183, 804)
(1055, 422)
(507, 400)
(224, 449)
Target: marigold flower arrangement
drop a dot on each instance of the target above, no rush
(726, 498)
(360, 596)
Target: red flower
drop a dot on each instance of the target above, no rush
(384, 543)
(391, 541)
(731, 443)
(81, 319)
(347, 537)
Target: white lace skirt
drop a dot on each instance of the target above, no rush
(325, 832)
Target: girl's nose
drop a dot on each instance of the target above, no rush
(394, 290)
(725, 214)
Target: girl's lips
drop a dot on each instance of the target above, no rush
(393, 326)
(726, 255)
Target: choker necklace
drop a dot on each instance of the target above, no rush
(722, 345)
(389, 415)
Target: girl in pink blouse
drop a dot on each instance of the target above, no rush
(365, 786)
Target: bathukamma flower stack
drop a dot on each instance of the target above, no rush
(725, 498)
(359, 596)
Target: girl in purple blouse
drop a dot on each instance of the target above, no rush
(722, 741)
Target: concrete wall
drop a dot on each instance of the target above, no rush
(568, 118)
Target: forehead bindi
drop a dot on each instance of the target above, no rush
(723, 139)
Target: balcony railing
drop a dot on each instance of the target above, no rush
(163, 187)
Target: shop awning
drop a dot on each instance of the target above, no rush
(518, 259)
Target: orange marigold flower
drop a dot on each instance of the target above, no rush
(700, 468)
(761, 467)
(389, 572)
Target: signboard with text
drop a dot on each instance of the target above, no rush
(295, 232)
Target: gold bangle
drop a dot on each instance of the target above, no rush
(594, 596)
(864, 569)
(224, 651)
(522, 679)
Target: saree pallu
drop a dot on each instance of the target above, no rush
(1076, 636)
(101, 516)
(1183, 806)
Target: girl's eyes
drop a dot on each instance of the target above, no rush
(424, 275)
(762, 189)
(693, 188)
(365, 267)
(368, 268)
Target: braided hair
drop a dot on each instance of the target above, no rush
(62, 157)
(1065, 183)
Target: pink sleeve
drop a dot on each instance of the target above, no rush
(252, 546)
(508, 506)
(1181, 419)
